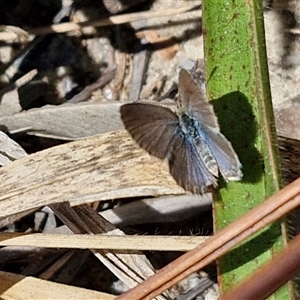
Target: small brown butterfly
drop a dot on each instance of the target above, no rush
(191, 140)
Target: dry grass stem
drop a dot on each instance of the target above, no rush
(113, 20)
(83, 241)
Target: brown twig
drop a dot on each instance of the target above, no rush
(58, 264)
(140, 64)
(276, 273)
(273, 208)
(114, 20)
(19, 82)
(88, 90)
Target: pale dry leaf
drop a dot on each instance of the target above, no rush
(287, 119)
(9, 96)
(68, 122)
(10, 103)
(9, 150)
(103, 167)
(15, 286)
(160, 209)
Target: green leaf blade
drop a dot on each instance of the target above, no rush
(238, 82)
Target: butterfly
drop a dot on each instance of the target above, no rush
(190, 139)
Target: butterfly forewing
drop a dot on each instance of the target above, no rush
(153, 127)
(194, 101)
(187, 167)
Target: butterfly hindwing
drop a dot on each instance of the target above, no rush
(187, 167)
(222, 150)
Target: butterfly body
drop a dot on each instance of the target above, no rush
(194, 131)
(189, 125)
(191, 140)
